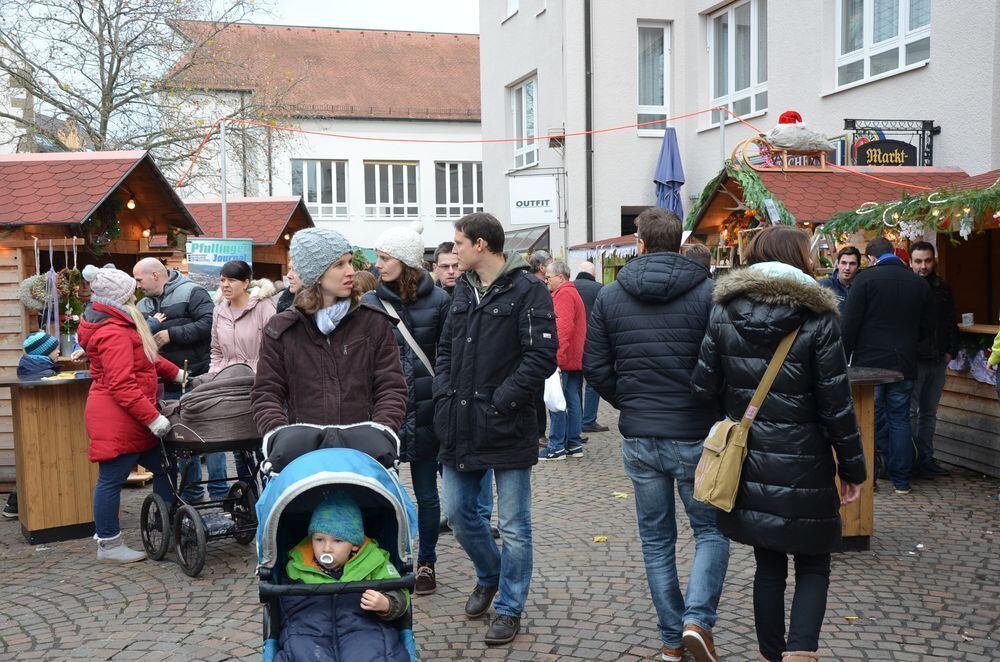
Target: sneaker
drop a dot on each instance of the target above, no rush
(503, 629)
(546, 454)
(114, 550)
(426, 581)
(574, 451)
(902, 491)
(9, 511)
(480, 600)
(596, 428)
(671, 654)
(698, 641)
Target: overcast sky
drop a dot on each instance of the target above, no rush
(420, 15)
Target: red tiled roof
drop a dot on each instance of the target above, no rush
(338, 72)
(983, 180)
(260, 219)
(816, 196)
(623, 240)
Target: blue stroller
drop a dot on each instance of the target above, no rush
(303, 464)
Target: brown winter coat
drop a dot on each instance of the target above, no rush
(350, 376)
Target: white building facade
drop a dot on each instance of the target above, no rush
(830, 60)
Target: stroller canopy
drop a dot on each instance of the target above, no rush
(330, 467)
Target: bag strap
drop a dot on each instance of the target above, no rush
(410, 340)
(768, 379)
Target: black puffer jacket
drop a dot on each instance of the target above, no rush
(496, 351)
(787, 500)
(188, 307)
(425, 320)
(642, 344)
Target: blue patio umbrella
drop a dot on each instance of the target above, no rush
(669, 175)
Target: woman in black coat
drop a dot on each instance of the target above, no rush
(787, 501)
(423, 308)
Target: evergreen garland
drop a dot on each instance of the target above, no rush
(754, 195)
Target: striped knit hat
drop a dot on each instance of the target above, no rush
(40, 343)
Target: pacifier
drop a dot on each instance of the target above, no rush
(326, 559)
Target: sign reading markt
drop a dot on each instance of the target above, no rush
(886, 153)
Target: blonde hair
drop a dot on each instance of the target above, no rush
(148, 344)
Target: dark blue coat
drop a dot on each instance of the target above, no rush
(835, 285)
(642, 344)
(588, 289)
(425, 319)
(335, 629)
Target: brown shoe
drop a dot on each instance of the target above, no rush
(671, 654)
(426, 581)
(698, 641)
(800, 656)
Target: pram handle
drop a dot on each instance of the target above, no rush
(269, 590)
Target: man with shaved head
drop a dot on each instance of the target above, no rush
(186, 335)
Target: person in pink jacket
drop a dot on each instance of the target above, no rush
(239, 318)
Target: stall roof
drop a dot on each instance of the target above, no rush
(66, 188)
(527, 239)
(623, 240)
(262, 219)
(982, 180)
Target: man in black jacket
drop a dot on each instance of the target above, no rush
(643, 340)
(589, 288)
(497, 348)
(889, 311)
(933, 356)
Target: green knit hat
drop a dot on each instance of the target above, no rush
(339, 516)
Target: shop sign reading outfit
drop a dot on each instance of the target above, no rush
(534, 200)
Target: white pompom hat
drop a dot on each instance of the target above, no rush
(406, 244)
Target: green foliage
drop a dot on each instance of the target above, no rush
(754, 195)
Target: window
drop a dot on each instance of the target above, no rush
(523, 105)
(737, 44)
(391, 190)
(323, 186)
(879, 37)
(459, 189)
(654, 83)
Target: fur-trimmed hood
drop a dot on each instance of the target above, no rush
(764, 305)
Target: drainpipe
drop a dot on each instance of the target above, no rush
(588, 87)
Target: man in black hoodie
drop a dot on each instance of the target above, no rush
(589, 288)
(643, 339)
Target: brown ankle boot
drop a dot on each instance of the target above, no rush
(800, 656)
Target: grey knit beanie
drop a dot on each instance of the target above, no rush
(313, 250)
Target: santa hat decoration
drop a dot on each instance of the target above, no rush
(790, 117)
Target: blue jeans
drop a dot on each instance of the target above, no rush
(567, 425)
(654, 465)
(423, 473)
(111, 477)
(591, 400)
(510, 569)
(190, 469)
(893, 436)
(485, 504)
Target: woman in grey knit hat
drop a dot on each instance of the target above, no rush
(329, 359)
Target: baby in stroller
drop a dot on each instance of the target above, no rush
(337, 550)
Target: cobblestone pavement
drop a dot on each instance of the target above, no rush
(588, 600)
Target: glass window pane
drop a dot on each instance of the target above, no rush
(369, 183)
(440, 192)
(651, 66)
(920, 13)
(762, 41)
(852, 26)
(312, 187)
(760, 101)
(518, 114)
(720, 52)
(529, 109)
(651, 117)
(411, 183)
(296, 177)
(383, 183)
(884, 62)
(518, 160)
(850, 72)
(479, 182)
(886, 20)
(341, 181)
(742, 106)
(453, 181)
(741, 22)
(397, 184)
(467, 183)
(326, 190)
(918, 51)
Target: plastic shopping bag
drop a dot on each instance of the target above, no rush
(555, 400)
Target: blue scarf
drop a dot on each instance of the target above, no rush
(327, 319)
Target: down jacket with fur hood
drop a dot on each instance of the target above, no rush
(787, 500)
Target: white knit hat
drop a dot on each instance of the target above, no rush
(109, 286)
(403, 243)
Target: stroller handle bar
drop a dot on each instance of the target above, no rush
(269, 590)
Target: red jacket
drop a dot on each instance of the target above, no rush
(571, 325)
(122, 399)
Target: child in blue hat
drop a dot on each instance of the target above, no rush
(337, 550)
(40, 353)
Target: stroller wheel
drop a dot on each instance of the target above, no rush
(242, 509)
(190, 539)
(154, 522)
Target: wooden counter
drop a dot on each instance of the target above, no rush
(858, 518)
(55, 481)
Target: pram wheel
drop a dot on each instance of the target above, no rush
(242, 509)
(190, 539)
(154, 522)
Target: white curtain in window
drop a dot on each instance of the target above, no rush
(529, 110)
(886, 19)
(651, 50)
(920, 13)
(762, 41)
(741, 18)
(852, 26)
(720, 52)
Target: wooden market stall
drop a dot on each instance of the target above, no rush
(74, 209)
(269, 222)
(608, 255)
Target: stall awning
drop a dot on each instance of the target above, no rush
(526, 240)
(623, 246)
